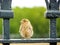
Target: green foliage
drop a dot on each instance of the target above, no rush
(58, 27)
(1, 26)
(35, 15)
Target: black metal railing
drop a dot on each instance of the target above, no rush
(52, 13)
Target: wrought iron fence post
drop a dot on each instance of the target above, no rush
(5, 11)
(54, 6)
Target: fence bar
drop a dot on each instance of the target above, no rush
(6, 5)
(52, 14)
(53, 6)
(33, 40)
(53, 32)
(6, 28)
(5, 43)
(5, 31)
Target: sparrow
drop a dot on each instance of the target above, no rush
(26, 29)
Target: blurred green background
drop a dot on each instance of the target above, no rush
(38, 20)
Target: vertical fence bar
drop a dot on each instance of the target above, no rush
(53, 6)
(6, 5)
(52, 31)
(6, 30)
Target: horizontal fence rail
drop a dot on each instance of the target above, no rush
(52, 14)
(33, 40)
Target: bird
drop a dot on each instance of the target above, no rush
(26, 29)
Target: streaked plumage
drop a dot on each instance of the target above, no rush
(26, 30)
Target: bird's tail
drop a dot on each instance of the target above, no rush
(27, 35)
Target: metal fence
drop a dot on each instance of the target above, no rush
(52, 13)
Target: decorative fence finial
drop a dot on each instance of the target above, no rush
(51, 3)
